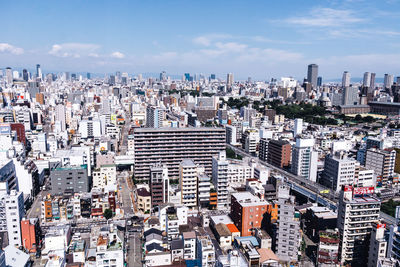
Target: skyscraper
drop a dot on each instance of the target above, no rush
(304, 159)
(25, 75)
(388, 81)
(312, 74)
(319, 81)
(9, 75)
(163, 76)
(350, 96)
(367, 79)
(88, 75)
(229, 79)
(38, 71)
(372, 84)
(346, 79)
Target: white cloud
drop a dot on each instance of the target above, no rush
(117, 54)
(326, 17)
(208, 39)
(7, 48)
(75, 50)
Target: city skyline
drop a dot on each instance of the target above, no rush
(259, 40)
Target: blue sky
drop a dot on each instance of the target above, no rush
(260, 39)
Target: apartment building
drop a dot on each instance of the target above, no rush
(247, 211)
(382, 162)
(11, 213)
(339, 170)
(220, 179)
(357, 212)
(188, 183)
(169, 146)
(304, 159)
(279, 153)
(159, 185)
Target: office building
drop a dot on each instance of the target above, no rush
(304, 159)
(188, 183)
(169, 146)
(367, 79)
(382, 162)
(73, 179)
(229, 79)
(346, 79)
(203, 190)
(247, 212)
(263, 149)
(60, 116)
(357, 212)
(372, 83)
(350, 96)
(312, 75)
(339, 170)
(279, 153)
(90, 129)
(38, 71)
(25, 75)
(388, 81)
(159, 185)
(319, 81)
(9, 76)
(220, 179)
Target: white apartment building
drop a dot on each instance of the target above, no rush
(188, 182)
(90, 129)
(251, 138)
(305, 159)
(339, 170)
(238, 172)
(110, 249)
(364, 177)
(106, 175)
(357, 212)
(11, 213)
(220, 179)
(189, 244)
(205, 251)
(378, 244)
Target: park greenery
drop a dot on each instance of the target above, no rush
(389, 207)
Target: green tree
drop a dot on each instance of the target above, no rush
(108, 214)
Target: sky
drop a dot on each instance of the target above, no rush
(258, 39)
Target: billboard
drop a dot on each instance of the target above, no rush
(5, 128)
(363, 190)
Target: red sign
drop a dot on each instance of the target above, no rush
(381, 225)
(348, 188)
(363, 190)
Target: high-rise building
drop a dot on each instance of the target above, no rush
(188, 183)
(25, 75)
(372, 83)
(163, 76)
(247, 212)
(12, 205)
(154, 117)
(38, 71)
(319, 81)
(212, 77)
(90, 129)
(388, 81)
(367, 79)
(304, 159)
(220, 179)
(298, 127)
(312, 74)
(229, 79)
(9, 75)
(350, 96)
(346, 79)
(339, 170)
(279, 153)
(88, 75)
(159, 185)
(358, 210)
(382, 162)
(288, 234)
(378, 244)
(187, 77)
(60, 116)
(169, 146)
